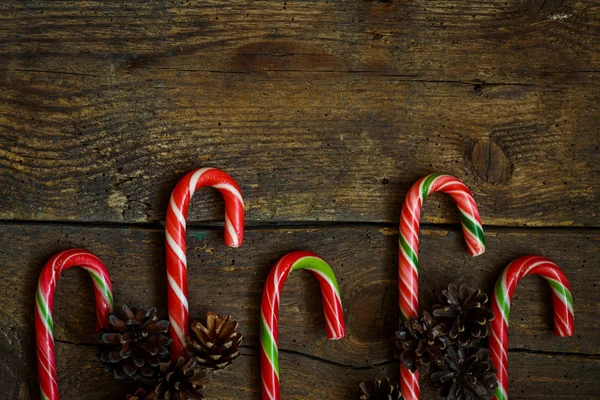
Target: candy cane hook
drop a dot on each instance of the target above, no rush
(269, 325)
(176, 242)
(505, 287)
(408, 254)
(44, 301)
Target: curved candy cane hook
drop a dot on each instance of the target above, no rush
(562, 301)
(408, 254)
(269, 326)
(44, 301)
(176, 243)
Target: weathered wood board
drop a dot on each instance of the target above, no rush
(230, 281)
(321, 110)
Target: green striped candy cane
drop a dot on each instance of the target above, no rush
(44, 300)
(562, 302)
(269, 333)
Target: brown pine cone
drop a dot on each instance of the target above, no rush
(380, 389)
(420, 343)
(216, 345)
(135, 344)
(466, 313)
(138, 395)
(468, 374)
(180, 380)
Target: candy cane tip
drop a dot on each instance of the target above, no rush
(478, 252)
(568, 333)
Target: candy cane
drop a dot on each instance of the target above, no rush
(176, 243)
(409, 248)
(269, 313)
(44, 300)
(505, 287)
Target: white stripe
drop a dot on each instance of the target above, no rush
(177, 212)
(329, 324)
(560, 331)
(231, 231)
(178, 292)
(99, 289)
(563, 299)
(409, 224)
(561, 295)
(176, 249)
(178, 331)
(231, 189)
(409, 259)
(195, 177)
(50, 372)
(408, 385)
(275, 342)
(264, 320)
(39, 310)
(271, 396)
(97, 272)
(326, 278)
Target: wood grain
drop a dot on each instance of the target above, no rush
(364, 260)
(325, 113)
(329, 117)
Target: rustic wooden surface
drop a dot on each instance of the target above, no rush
(325, 112)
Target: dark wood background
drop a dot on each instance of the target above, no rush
(325, 112)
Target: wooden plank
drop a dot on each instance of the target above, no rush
(510, 41)
(331, 116)
(303, 146)
(364, 260)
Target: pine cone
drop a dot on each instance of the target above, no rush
(468, 374)
(380, 389)
(138, 395)
(135, 344)
(180, 380)
(465, 312)
(420, 343)
(216, 345)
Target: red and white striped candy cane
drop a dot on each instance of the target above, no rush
(176, 242)
(562, 301)
(408, 254)
(269, 312)
(44, 301)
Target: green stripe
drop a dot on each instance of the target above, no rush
(46, 316)
(562, 289)
(317, 264)
(472, 227)
(102, 285)
(426, 185)
(409, 252)
(44, 397)
(269, 346)
(499, 393)
(503, 304)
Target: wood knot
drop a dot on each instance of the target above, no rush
(490, 162)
